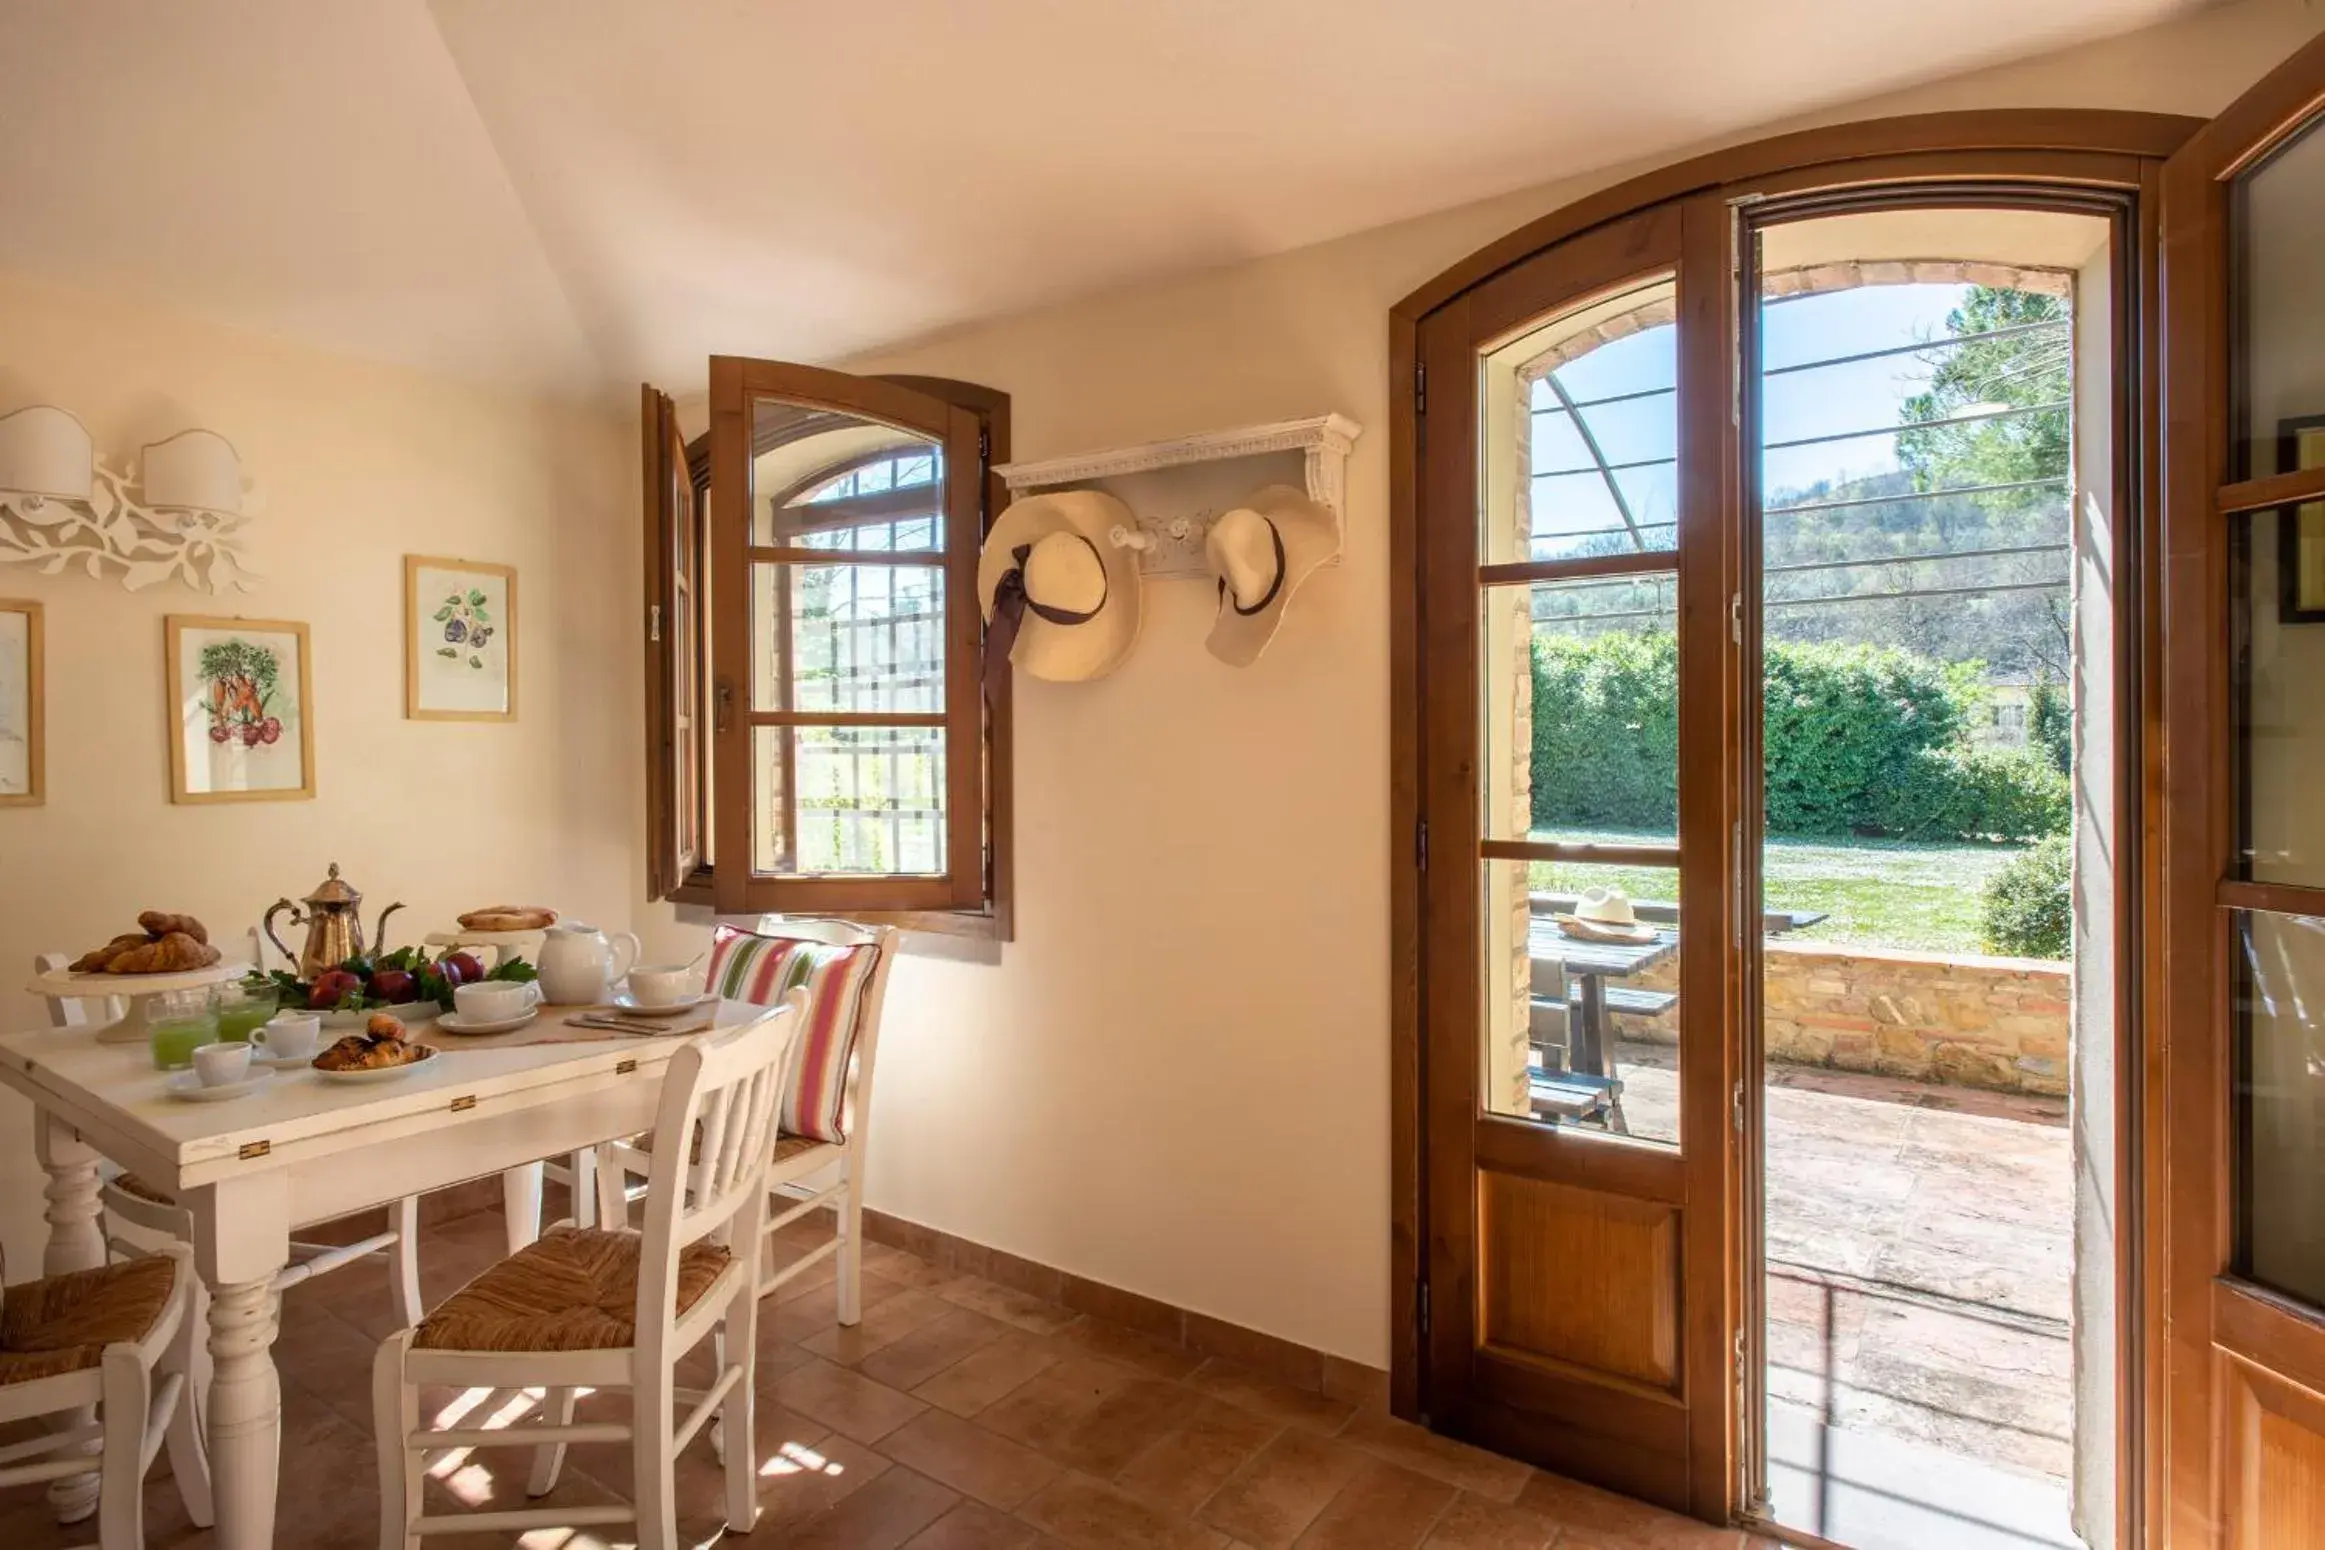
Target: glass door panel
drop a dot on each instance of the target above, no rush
(2277, 308)
(2277, 637)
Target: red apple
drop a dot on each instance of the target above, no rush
(331, 987)
(395, 985)
(449, 968)
(471, 970)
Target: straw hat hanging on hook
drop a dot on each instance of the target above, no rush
(1061, 598)
(1260, 552)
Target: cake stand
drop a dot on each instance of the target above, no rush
(137, 993)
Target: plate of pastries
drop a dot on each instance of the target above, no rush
(382, 1052)
(509, 917)
(163, 943)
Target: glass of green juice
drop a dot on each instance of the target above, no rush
(243, 1007)
(182, 1021)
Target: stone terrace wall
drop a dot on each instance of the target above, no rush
(1961, 1020)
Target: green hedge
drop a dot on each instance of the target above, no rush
(1860, 740)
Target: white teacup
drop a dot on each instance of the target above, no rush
(494, 1001)
(289, 1035)
(222, 1064)
(664, 984)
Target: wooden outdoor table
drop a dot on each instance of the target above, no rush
(1592, 964)
(305, 1150)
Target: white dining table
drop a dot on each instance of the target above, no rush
(300, 1151)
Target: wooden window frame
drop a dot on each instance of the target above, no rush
(985, 719)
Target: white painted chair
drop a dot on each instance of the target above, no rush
(793, 1178)
(128, 1198)
(116, 1343)
(614, 1309)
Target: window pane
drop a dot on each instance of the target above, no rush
(850, 801)
(2277, 618)
(1581, 432)
(848, 637)
(2280, 1103)
(1581, 1030)
(1581, 723)
(821, 479)
(2279, 372)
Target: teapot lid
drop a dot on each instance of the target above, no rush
(335, 890)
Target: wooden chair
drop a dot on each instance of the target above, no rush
(799, 1160)
(128, 1198)
(614, 1309)
(93, 1342)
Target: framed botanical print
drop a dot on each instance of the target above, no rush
(460, 640)
(22, 756)
(241, 692)
(2301, 529)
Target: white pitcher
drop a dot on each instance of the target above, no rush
(579, 962)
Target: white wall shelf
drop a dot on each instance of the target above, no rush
(1177, 487)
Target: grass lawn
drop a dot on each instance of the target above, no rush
(1876, 893)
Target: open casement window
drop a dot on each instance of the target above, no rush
(677, 729)
(845, 759)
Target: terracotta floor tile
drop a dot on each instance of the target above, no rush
(988, 1373)
(1456, 1463)
(1600, 1520)
(1271, 1500)
(975, 1526)
(800, 1481)
(1123, 1425)
(881, 1516)
(1155, 1358)
(904, 1269)
(1092, 1515)
(1384, 1508)
(1280, 1403)
(882, 1325)
(1181, 1471)
(848, 1402)
(1474, 1523)
(970, 1459)
(1047, 1408)
(1030, 1314)
(932, 1348)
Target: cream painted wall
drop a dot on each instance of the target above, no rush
(360, 465)
(1176, 1080)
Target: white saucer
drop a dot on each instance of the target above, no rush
(453, 1022)
(188, 1086)
(623, 1001)
(284, 1062)
(379, 1073)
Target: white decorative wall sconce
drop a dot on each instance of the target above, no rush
(177, 514)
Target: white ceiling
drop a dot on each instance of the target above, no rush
(578, 193)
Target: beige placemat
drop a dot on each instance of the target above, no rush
(573, 1025)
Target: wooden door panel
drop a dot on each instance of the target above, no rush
(1578, 1277)
(2272, 1460)
(1575, 1281)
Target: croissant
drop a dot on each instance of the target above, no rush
(173, 953)
(96, 958)
(160, 923)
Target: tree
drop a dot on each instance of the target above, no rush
(2032, 370)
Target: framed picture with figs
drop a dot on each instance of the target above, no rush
(460, 640)
(21, 754)
(240, 692)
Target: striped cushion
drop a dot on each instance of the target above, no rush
(747, 966)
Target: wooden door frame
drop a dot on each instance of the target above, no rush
(2071, 148)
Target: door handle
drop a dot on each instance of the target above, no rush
(725, 714)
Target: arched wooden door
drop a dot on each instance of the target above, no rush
(2240, 1401)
